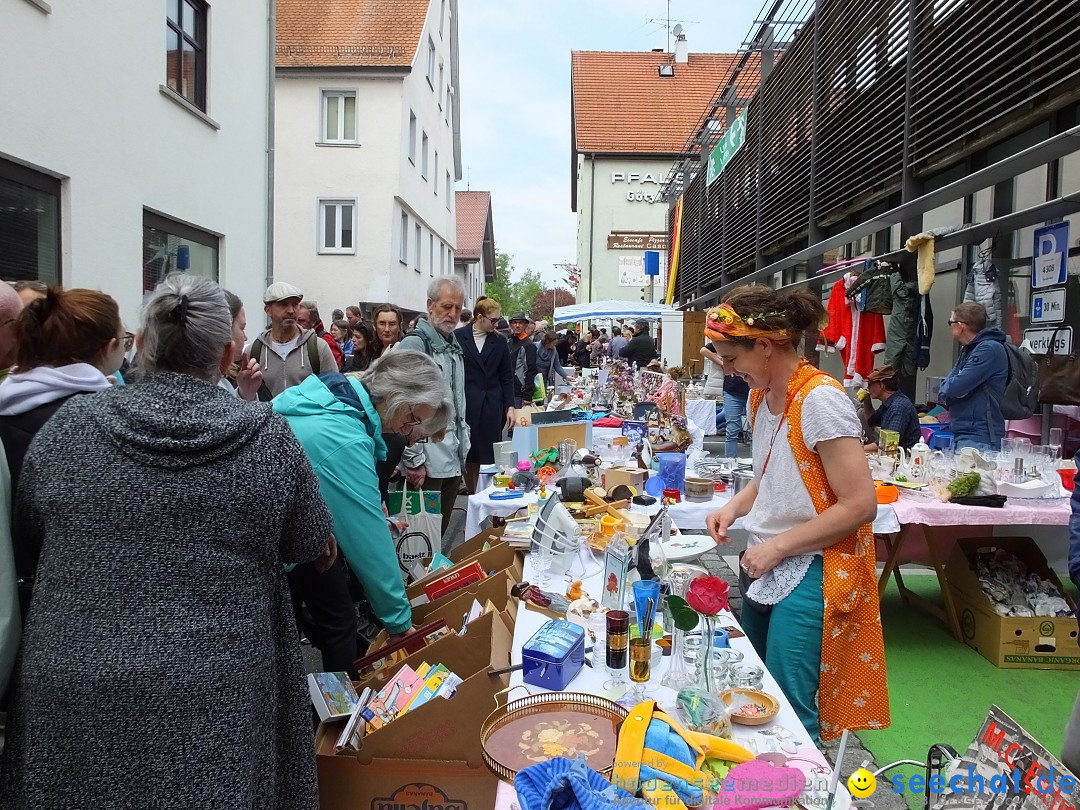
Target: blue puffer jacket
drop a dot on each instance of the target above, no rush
(973, 390)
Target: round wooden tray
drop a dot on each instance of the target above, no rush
(771, 705)
(540, 727)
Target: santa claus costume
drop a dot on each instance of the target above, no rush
(858, 335)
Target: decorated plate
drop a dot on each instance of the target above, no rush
(556, 724)
(685, 547)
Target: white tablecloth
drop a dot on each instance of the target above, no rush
(702, 412)
(686, 515)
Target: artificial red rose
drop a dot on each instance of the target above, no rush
(708, 595)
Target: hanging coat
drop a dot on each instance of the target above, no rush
(899, 351)
(858, 335)
(489, 391)
(983, 287)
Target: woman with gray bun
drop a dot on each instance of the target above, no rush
(161, 621)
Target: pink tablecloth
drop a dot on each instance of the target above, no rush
(1016, 512)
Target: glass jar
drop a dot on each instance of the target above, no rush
(747, 676)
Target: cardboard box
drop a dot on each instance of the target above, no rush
(474, 545)
(494, 560)
(431, 756)
(1009, 642)
(527, 440)
(493, 589)
(630, 476)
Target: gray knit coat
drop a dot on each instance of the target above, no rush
(160, 665)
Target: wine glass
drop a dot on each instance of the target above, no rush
(640, 670)
(542, 560)
(618, 634)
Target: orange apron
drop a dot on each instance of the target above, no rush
(853, 693)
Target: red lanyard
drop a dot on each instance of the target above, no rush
(783, 416)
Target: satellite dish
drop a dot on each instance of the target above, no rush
(677, 30)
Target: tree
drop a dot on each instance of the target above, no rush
(542, 301)
(500, 288)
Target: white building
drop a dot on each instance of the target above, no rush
(474, 261)
(367, 149)
(120, 159)
(631, 114)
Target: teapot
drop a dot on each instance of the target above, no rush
(915, 464)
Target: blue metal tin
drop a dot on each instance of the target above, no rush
(554, 655)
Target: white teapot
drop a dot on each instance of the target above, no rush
(915, 464)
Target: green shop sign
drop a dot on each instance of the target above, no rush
(728, 145)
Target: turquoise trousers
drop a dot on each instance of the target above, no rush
(788, 640)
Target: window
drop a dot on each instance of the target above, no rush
(431, 57)
(431, 254)
(448, 191)
(403, 248)
(185, 57)
(339, 116)
(170, 246)
(449, 99)
(442, 17)
(29, 224)
(435, 173)
(337, 222)
(424, 156)
(442, 77)
(419, 246)
(442, 259)
(412, 137)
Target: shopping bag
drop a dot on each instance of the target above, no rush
(418, 515)
(539, 389)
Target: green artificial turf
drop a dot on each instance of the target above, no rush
(940, 689)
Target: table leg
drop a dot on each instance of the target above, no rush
(894, 546)
(947, 616)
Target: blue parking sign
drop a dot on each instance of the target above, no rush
(1050, 255)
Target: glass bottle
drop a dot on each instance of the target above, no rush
(678, 673)
(617, 560)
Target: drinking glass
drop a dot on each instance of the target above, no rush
(1056, 436)
(618, 636)
(640, 669)
(542, 560)
(747, 677)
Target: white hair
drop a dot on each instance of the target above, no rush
(404, 378)
(435, 288)
(186, 327)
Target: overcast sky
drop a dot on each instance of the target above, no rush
(515, 100)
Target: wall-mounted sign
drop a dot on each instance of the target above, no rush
(728, 145)
(639, 177)
(1048, 307)
(1050, 257)
(629, 240)
(1040, 339)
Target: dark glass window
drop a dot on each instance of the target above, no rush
(173, 247)
(186, 50)
(29, 224)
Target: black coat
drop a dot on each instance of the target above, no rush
(641, 350)
(489, 391)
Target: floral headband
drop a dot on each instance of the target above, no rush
(724, 322)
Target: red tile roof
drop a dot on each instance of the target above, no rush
(473, 213)
(620, 104)
(349, 33)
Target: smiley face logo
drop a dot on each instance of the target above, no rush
(862, 784)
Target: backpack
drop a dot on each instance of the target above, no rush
(1021, 395)
(256, 351)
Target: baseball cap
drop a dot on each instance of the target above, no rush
(519, 316)
(280, 291)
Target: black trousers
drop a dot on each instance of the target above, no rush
(324, 609)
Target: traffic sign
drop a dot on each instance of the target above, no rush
(652, 262)
(1039, 339)
(1050, 256)
(1048, 307)
(726, 147)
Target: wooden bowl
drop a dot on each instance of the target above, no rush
(770, 704)
(699, 490)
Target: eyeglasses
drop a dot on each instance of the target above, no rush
(413, 421)
(954, 323)
(129, 341)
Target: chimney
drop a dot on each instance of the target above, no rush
(681, 54)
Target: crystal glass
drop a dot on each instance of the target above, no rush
(747, 676)
(640, 670)
(618, 637)
(678, 673)
(542, 559)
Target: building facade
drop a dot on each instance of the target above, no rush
(474, 261)
(630, 116)
(139, 156)
(368, 149)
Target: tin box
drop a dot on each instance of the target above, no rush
(554, 655)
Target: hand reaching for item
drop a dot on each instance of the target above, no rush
(718, 523)
(249, 378)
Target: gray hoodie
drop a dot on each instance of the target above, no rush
(280, 374)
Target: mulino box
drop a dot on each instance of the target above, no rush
(1010, 642)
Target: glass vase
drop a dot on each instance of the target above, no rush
(706, 662)
(678, 672)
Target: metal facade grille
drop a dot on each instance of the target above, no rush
(826, 131)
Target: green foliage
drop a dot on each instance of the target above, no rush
(543, 300)
(684, 616)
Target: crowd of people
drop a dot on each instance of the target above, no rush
(181, 504)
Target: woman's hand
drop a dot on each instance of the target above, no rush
(760, 559)
(249, 378)
(511, 417)
(718, 523)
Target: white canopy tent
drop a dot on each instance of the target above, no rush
(607, 310)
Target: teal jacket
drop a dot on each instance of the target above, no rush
(342, 442)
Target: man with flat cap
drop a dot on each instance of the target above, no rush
(897, 412)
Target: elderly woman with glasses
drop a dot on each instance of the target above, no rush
(165, 512)
(340, 421)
